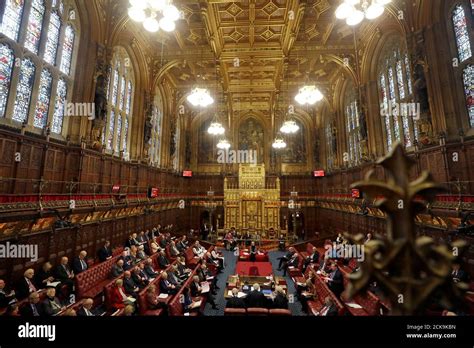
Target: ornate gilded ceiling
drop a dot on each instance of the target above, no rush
(253, 52)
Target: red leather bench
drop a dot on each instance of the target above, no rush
(175, 307)
(91, 282)
(323, 291)
(235, 312)
(280, 312)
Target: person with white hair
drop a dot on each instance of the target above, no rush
(256, 299)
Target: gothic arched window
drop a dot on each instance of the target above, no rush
(464, 53)
(398, 111)
(120, 97)
(39, 35)
(155, 140)
(351, 114)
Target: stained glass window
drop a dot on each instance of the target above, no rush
(115, 87)
(393, 102)
(400, 82)
(408, 75)
(35, 26)
(68, 46)
(6, 68)
(129, 97)
(42, 105)
(110, 139)
(12, 18)
(122, 92)
(53, 38)
(386, 116)
(468, 78)
(329, 142)
(24, 89)
(125, 135)
(353, 127)
(60, 107)
(119, 134)
(462, 34)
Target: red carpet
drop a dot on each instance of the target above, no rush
(254, 268)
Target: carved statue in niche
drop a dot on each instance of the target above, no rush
(316, 157)
(420, 90)
(363, 129)
(101, 78)
(188, 150)
(295, 152)
(148, 125)
(251, 137)
(206, 149)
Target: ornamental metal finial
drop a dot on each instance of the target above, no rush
(410, 271)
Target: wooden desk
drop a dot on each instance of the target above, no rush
(238, 281)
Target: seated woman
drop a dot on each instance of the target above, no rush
(151, 298)
(118, 297)
(307, 294)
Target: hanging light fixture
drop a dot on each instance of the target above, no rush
(309, 95)
(223, 144)
(200, 97)
(154, 14)
(216, 128)
(289, 127)
(354, 11)
(279, 143)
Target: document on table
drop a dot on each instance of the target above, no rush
(53, 284)
(204, 287)
(241, 294)
(354, 305)
(131, 299)
(162, 295)
(196, 304)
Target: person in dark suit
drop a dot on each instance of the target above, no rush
(182, 245)
(132, 240)
(5, 296)
(311, 259)
(51, 304)
(292, 262)
(117, 269)
(173, 276)
(253, 252)
(127, 259)
(235, 301)
(105, 252)
(165, 285)
(86, 309)
(196, 290)
(162, 260)
(131, 288)
(138, 279)
(255, 299)
(149, 270)
(280, 301)
(458, 274)
(79, 264)
(44, 276)
(25, 285)
(335, 280)
(33, 308)
(285, 258)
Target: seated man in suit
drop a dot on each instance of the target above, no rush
(235, 301)
(132, 240)
(335, 280)
(33, 308)
(292, 262)
(182, 245)
(253, 252)
(51, 304)
(117, 269)
(6, 296)
(44, 276)
(162, 260)
(281, 243)
(198, 250)
(149, 270)
(86, 309)
(286, 257)
(79, 263)
(280, 300)
(165, 285)
(205, 274)
(458, 274)
(173, 276)
(138, 278)
(64, 274)
(311, 259)
(25, 285)
(196, 290)
(105, 252)
(141, 255)
(256, 299)
(131, 288)
(174, 252)
(127, 259)
(329, 309)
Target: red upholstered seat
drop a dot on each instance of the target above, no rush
(257, 311)
(280, 312)
(91, 282)
(235, 312)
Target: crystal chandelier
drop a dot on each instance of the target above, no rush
(200, 97)
(289, 127)
(223, 144)
(309, 95)
(154, 14)
(279, 143)
(216, 129)
(354, 11)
